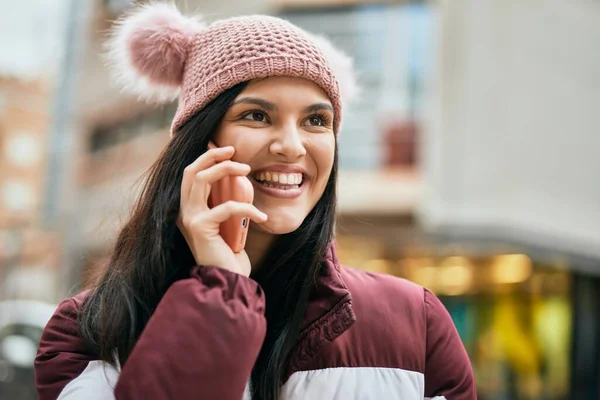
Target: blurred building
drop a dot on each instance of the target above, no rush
(512, 174)
(29, 251)
(30, 248)
(29, 254)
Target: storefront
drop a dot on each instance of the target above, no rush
(518, 313)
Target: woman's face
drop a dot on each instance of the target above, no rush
(283, 128)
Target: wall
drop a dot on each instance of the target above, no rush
(512, 140)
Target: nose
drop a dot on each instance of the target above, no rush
(288, 144)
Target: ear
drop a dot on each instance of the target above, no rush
(148, 48)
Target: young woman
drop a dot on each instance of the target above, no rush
(177, 314)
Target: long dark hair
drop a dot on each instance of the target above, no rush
(150, 254)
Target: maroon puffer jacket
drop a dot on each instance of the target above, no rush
(366, 336)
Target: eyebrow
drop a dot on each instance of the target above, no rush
(267, 105)
(318, 107)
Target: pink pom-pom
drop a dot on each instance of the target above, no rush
(342, 66)
(148, 49)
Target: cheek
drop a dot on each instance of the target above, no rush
(323, 154)
(244, 141)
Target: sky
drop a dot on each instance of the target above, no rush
(32, 35)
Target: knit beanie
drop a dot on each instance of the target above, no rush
(160, 55)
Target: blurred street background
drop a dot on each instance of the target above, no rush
(471, 165)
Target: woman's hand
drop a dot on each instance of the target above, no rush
(199, 224)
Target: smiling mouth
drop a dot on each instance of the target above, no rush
(279, 180)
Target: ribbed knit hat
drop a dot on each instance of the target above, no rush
(159, 54)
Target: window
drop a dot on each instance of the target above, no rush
(103, 138)
(22, 149)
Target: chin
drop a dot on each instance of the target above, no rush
(280, 224)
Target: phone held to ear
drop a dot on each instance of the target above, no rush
(232, 188)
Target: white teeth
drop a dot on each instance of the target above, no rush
(284, 179)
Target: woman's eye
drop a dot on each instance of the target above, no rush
(315, 120)
(255, 116)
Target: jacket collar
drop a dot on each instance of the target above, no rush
(329, 312)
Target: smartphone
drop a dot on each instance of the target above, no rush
(237, 188)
